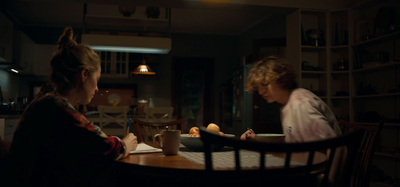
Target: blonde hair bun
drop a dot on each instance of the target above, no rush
(67, 40)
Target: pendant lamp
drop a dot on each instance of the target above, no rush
(143, 69)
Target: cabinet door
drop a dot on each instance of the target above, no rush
(6, 38)
(114, 64)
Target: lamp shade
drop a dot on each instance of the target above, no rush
(132, 44)
(143, 69)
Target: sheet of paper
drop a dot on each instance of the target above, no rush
(144, 148)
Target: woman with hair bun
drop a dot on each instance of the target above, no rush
(55, 145)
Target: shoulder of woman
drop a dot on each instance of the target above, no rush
(304, 95)
(48, 102)
(299, 96)
(302, 98)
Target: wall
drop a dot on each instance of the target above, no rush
(274, 27)
(223, 49)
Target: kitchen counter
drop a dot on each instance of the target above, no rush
(8, 125)
(10, 116)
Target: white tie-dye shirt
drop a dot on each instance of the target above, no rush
(307, 118)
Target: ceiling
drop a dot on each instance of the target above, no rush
(44, 18)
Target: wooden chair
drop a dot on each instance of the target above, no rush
(311, 174)
(146, 130)
(114, 120)
(158, 114)
(360, 177)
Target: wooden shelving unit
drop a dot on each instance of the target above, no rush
(317, 64)
(356, 91)
(375, 78)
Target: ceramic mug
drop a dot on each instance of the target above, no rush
(169, 141)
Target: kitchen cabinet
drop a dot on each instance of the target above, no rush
(114, 64)
(375, 75)
(6, 38)
(101, 17)
(34, 59)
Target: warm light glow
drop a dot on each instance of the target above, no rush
(143, 70)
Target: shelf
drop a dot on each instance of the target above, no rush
(313, 48)
(314, 72)
(340, 97)
(377, 39)
(336, 72)
(388, 154)
(377, 95)
(381, 66)
(374, 123)
(338, 47)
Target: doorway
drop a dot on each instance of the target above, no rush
(266, 116)
(192, 93)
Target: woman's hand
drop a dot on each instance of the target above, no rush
(248, 135)
(131, 143)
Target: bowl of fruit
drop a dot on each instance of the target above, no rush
(193, 142)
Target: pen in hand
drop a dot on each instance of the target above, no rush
(129, 126)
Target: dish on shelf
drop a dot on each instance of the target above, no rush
(114, 99)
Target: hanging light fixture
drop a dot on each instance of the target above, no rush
(143, 69)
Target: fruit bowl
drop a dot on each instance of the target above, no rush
(196, 144)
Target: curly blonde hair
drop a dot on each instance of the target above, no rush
(271, 69)
(69, 60)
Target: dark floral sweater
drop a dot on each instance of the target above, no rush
(54, 145)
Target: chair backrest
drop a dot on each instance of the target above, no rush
(158, 113)
(114, 119)
(366, 149)
(309, 173)
(147, 129)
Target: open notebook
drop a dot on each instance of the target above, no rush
(144, 148)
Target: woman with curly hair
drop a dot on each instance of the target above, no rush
(304, 116)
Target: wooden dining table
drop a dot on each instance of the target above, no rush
(156, 168)
(158, 159)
